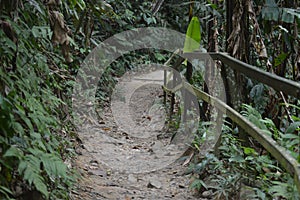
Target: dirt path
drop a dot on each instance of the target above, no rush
(128, 155)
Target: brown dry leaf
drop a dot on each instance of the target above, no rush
(188, 160)
(66, 52)
(60, 30)
(266, 170)
(8, 30)
(137, 147)
(53, 2)
(127, 198)
(92, 167)
(98, 173)
(106, 129)
(236, 38)
(263, 51)
(256, 38)
(60, 33)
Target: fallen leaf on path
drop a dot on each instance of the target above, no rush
(127, 198)
(97, 173)
(93, 167)
(137, 147)
(188, 160)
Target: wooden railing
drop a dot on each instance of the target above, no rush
(278, 83)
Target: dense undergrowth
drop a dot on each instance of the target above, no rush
(41, 47)
(42, 44)
(36, 133)
(246, 172)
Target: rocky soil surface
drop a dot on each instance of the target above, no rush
(127, 154)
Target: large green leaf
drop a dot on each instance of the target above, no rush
(54, 166)
(6, 192)
(14, 152)
(36, 6)
(80, 3)
(30, 168)
(293, 127)
(193, 36)
(287, 16)
(280, 59)
(270, 11)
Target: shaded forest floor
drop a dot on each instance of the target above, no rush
(128, 154)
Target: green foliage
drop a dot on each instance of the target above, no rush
(35, 92)
(272, 12)
(193, 36)
(198, 184)
(237, 165)
(259, 97)
(291, 139)
(32, 108)
(33, 165)
(280, 59)
(287, 189)
(255, 117)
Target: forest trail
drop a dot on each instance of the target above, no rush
(128, 155)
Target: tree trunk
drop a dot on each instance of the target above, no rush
(238, 45)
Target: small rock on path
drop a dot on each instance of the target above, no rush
(116, 164)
